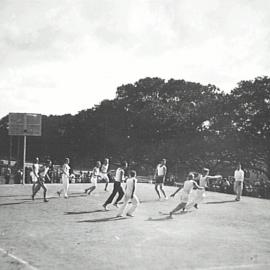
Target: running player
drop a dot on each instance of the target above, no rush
(130, 195)
(203, 182)
(160, 176)
(65, 178)
(117, 188)
(104, 172)
(43, 173)
(189, 184)
(94, 177)
(34, 173)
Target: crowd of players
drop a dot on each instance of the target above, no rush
(191, 193)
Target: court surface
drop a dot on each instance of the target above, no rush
(76, 233)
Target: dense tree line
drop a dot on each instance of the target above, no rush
(190, 124)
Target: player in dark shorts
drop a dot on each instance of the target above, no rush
(160, 175)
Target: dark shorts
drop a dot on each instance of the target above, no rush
(159, 179)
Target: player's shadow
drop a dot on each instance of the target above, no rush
(167, 217)
(83, 212)
(3, 196)
(102, 220)
(12, 203)
(218, 202)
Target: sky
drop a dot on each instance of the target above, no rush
(64, 56)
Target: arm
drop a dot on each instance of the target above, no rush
(164, 172)
(133, 190)
(209, 177)
(196, 185)
(173, 194)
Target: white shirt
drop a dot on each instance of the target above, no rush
(44, 171)
(203, 181)
(188, 186)
(161, 170)
(239, 175)
(130, 185)
(35, 169)
(65, 169)
(104, 168)
(118, 174)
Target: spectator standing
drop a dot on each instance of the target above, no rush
(239, 176)
(7, 175)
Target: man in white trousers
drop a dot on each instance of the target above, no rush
(239, 176)
(65, 178)
(130, 195)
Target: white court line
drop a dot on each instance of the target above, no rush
(239, 266)
(18, 259)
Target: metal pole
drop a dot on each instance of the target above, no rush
(24, 156)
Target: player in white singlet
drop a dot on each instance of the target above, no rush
(43, 173)
(189, 184)
(65, 178)
(34, 173)
(199, 195)
(160, 176)
(94, 177)
(104, 172)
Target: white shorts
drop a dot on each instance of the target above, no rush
(94, 181)
(33, 177)
(184, 196)
(104, 176)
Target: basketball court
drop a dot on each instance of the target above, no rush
(76, 233)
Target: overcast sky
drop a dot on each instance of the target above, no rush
(64, 56)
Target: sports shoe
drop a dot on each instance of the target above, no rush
(85, 191)
(166, 198)
(33, 198)
(119, 215)
(196, 206)
(45, 200)
(130, 215)
(105, 207)
(115, 204)
(58, 193)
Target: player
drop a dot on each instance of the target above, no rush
(160, 175)
(130, 195)
(200, 194)
(189, 184)
(94, 177)
(239, 177)
(104, 172)
(65, 178)
(34, 173)
(117, 188)
(43, 173)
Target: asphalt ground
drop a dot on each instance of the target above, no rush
(76, 233)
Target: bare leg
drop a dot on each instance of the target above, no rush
(91, 189)
(178, 208)
(162, 190)
(156, 188)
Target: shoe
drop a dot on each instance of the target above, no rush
(58, 193)
(237, 199)
(119, 216)
(33, 198)
(105, 207)
(196, 206)
(45, 200)
(166, 198)
(115, 204)
(66, 197)
(85, 191)
(130, 215)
